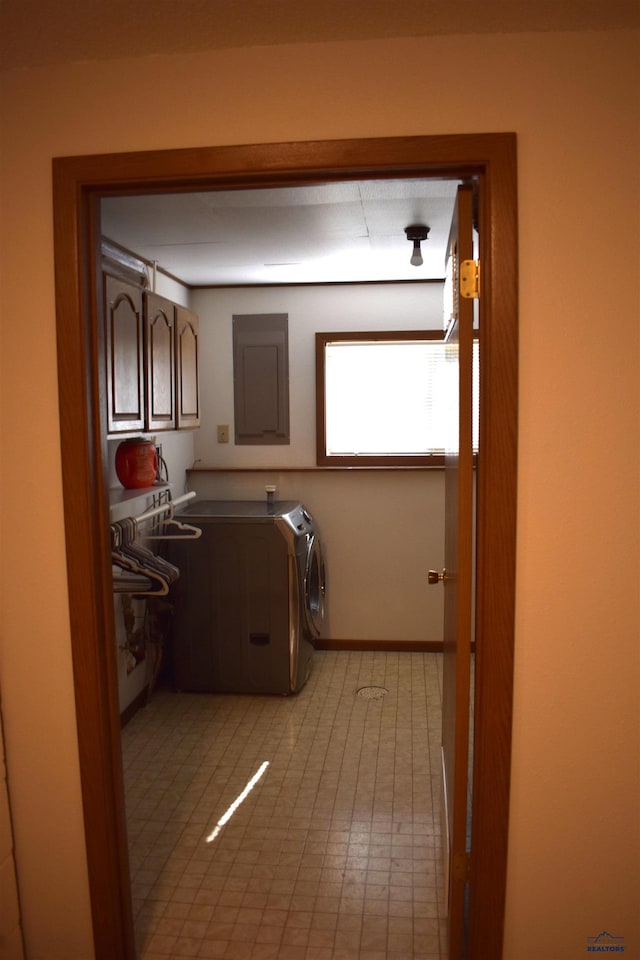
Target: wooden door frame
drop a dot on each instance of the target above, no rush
(78, 185)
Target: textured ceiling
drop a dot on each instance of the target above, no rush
(332, 232)
(39, 32)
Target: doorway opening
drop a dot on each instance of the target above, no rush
(79, 185)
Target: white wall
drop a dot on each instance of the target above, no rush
(381, 530)
(378, 538)
(572, 100)
(357, 307)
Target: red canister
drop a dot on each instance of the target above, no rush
(136, 463)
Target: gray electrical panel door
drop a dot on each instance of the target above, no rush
(261, 378)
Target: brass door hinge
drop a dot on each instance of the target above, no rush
(462, 867)
(470, 279)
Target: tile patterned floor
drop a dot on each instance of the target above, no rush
(335, 852)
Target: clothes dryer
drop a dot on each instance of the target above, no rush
(249, 603)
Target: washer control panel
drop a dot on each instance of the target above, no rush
(299, 519)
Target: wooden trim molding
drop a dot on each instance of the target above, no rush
(495, 553)
(78, 184)
(136, 704)
(276, 468)
(83, 430)
(324, 459)
(392, 646)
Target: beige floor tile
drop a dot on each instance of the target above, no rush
(334, 855)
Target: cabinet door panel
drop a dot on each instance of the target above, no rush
(160, 333)
(188, 400)
(125, 357)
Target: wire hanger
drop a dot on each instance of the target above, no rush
(147, 573)
(186, 530)
(137, 559)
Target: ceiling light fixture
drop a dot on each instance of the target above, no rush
(417, 232)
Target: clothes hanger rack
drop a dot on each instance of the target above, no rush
(166, 507)
(144, 572)
(185, 531)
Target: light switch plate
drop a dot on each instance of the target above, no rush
(223, 433)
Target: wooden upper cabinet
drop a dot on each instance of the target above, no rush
(187, 384)
(160, 329)
(125, 355)
(152, 360)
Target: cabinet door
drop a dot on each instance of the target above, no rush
(160, 358)
(125, 357)
(187, 383)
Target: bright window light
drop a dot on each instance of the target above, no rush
(392, 399)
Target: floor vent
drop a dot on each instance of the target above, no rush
(371, 693)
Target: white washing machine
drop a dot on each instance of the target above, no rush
(249, 603)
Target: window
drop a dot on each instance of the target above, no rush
(386, 398)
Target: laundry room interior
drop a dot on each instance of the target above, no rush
(381, 528)
(307, 579)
